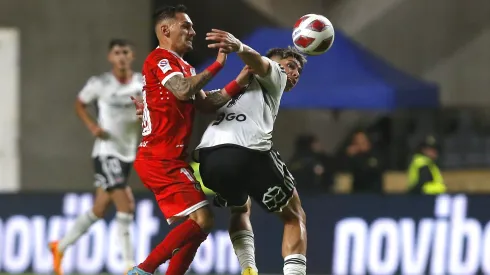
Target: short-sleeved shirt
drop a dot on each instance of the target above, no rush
(247, 120)
(167, 121)
(115, 114)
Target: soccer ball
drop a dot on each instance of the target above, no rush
(313, 34)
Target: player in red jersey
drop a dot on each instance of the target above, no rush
(171, 92)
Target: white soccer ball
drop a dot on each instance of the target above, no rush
(313, 34)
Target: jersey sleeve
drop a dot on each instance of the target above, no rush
(166, 67)
(275, 80)
(90, 91)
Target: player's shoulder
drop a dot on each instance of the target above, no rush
(275, 64)
(138, 76)
(100, 79)
(160, 54)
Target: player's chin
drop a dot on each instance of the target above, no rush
(188, 45)
(289, 86)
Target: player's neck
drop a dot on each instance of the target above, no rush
(122, 76)
(168, 48)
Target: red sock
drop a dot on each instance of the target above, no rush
(181, 261)
(176, 238)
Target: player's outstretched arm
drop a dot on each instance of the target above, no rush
(184, 88)
(208, 102)
(229, 43)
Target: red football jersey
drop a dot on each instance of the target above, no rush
(167, 121)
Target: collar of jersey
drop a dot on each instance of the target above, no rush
(172, 52)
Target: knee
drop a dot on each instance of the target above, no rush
(131, 207)
(99, 211)
(204, 218)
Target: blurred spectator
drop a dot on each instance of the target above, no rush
(365, 164)
(311, 167)
(424, 176)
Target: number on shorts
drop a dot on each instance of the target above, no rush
(112, 169)
(188, 174)
(146, 123)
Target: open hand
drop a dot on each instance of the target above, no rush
(224, 41)
(98, 132)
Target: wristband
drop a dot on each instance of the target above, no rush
(240, 49)
(214, 68)
(233, 88)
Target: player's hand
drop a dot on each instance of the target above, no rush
(221, 57)
(243, 77)
(139, 107)
(224, 40)
(98, 132)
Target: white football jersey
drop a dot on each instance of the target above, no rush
(115, 114)
(247, 120)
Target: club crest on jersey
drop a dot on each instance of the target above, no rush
(193, 71)
(234, 100)
(164, 65)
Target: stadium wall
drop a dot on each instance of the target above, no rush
(352, 234)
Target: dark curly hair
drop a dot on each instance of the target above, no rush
(167, 12)
(287, 52)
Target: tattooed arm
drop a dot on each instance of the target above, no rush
(209, 102)
(185, 87)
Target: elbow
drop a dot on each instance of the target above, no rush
(183, 96)
(79, 106)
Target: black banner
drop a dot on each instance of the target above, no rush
(347, 234)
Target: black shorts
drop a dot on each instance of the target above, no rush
(234, 173)
(111, 172)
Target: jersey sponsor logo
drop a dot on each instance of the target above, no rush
(164, 65)
(229, 117)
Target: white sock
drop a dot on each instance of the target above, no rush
(81, 225)
(243, 244)
(124, 221)
(295, 264)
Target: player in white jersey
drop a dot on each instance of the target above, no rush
(116, 133)
(237, 158)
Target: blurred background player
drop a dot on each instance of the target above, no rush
(237, 159)
(117, 133)
(171, 93)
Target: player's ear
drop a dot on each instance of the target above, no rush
(109, 56)
(131, 55)
(165, 29)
